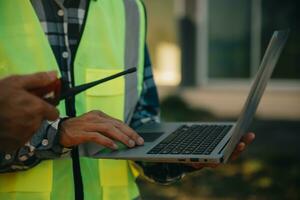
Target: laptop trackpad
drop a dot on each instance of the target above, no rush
(152, 131)
(150, 136)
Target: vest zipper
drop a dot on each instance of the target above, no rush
(71, 111)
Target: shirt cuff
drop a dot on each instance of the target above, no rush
(49, 147)
(43, 145)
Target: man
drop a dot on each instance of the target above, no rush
(17, 105)
(88, 40)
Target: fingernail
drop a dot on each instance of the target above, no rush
(115, 146)
(140, 141)
(131, 143)
(52, 75)
(242, 147)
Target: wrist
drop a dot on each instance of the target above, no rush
(60, 130)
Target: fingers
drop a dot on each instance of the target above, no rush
(246, 140)
(196, 165)
(40, 109)
(238, 150)
(129, 132)
(110, 131)
(99, 139)
(241, 147)
(201, 165)
(74, 131)
(49, 112)
(36, 80)
(106, 128)
(121, 127)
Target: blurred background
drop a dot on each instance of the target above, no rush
(204, 55)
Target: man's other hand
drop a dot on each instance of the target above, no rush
(21, 112)
(241, 146)
(96, 126)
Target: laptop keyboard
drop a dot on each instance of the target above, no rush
(195, 139)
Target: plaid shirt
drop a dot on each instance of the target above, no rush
(62, 22)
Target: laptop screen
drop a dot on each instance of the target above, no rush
(259, 84)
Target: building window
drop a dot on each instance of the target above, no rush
(238, 32)
(229, 39)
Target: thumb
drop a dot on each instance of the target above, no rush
(37, 80)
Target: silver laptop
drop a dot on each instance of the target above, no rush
(199, 142)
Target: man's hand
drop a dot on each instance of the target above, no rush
(21, 113)
(246, 140)
(96, 126)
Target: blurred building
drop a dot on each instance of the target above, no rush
(208, 51)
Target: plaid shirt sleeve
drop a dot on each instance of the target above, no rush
(43, 145)
(147, 111)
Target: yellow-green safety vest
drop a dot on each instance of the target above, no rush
(113, 40)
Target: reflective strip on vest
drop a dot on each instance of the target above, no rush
(108, 45)
(131, 57)
(133, 48)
